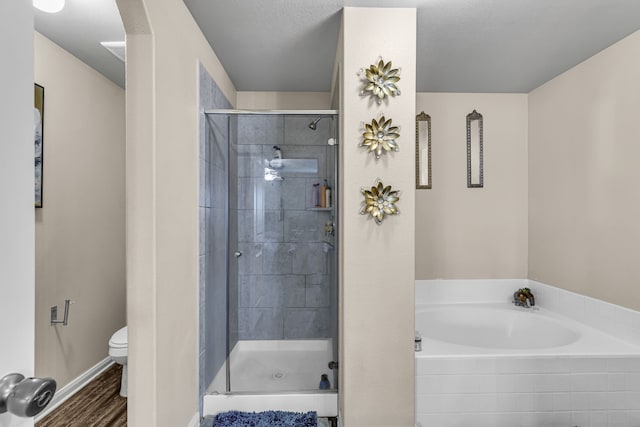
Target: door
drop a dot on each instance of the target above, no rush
(17, 281)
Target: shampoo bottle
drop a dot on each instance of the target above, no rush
(324, 382)
(327, 194)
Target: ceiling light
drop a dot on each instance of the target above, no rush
(49, 6)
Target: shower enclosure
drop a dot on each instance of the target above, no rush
(269, 304)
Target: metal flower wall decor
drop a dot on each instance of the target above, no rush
(379, 201)
(380, 137)
(380, 80)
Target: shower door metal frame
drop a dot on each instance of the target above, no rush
(335, 134)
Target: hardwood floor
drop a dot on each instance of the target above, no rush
(98, 404)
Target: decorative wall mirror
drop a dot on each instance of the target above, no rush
(423, 151)
(475, 173)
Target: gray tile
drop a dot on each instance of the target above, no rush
(255, 193)
(218, 187)
(202, 277)
(251, 162)
(202, 184)
(278, 258)
(309, 258)
(271, 291)
(303, 226)
(260, 226)
(318, 291)
(306, 323)
(260, 323)
(294, 192)
(202, 230)
(217, 227)
(251, 260)
(303, 152)
(263, 130)
(297, 132)
(293, 288)
(217, 139)
(272, 195)
(256, 292)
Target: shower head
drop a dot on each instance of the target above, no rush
(314, 124)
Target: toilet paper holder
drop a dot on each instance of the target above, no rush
(25, 397)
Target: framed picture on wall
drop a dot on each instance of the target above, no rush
(38, 120)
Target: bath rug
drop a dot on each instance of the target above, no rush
(266, 419)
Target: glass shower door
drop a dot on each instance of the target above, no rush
(283, 269)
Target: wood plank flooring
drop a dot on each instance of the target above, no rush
(98, 404)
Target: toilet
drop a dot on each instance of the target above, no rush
(118, 346)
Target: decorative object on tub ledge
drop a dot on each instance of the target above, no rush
(266, 419)
(475, 172)
(423, 151)
(523, 297)
(380, 80)
(379, 136)
(379, 201)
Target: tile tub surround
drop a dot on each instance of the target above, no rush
(534, 390)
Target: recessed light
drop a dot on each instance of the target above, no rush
(49, 6)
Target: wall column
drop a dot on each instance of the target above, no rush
(377, 271)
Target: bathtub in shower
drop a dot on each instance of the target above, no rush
(276, 375)
(488, 363)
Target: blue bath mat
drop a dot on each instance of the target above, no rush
(266, 419)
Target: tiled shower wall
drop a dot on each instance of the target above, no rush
(284, 281)
(213, 228)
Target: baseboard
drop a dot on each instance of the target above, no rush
(75, 385)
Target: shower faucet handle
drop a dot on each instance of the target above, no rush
(237, 254)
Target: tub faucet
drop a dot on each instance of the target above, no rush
(524, 298)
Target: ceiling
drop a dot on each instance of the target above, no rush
(289, 45)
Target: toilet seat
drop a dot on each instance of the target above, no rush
(119, 345)
(119, 339)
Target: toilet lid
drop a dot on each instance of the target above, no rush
(119, 339)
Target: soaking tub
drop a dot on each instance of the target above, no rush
(485, 362)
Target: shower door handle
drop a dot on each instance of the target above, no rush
(238, 254)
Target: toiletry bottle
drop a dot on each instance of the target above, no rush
(324, 382)
(315, 197)
(417, 344)
(327, 196)
(276, 162)
(323, 195)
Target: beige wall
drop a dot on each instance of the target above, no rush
(283, 100)
(583, 177)
(162, 213)
(377, 269)
(80, 231)
(474, 233)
